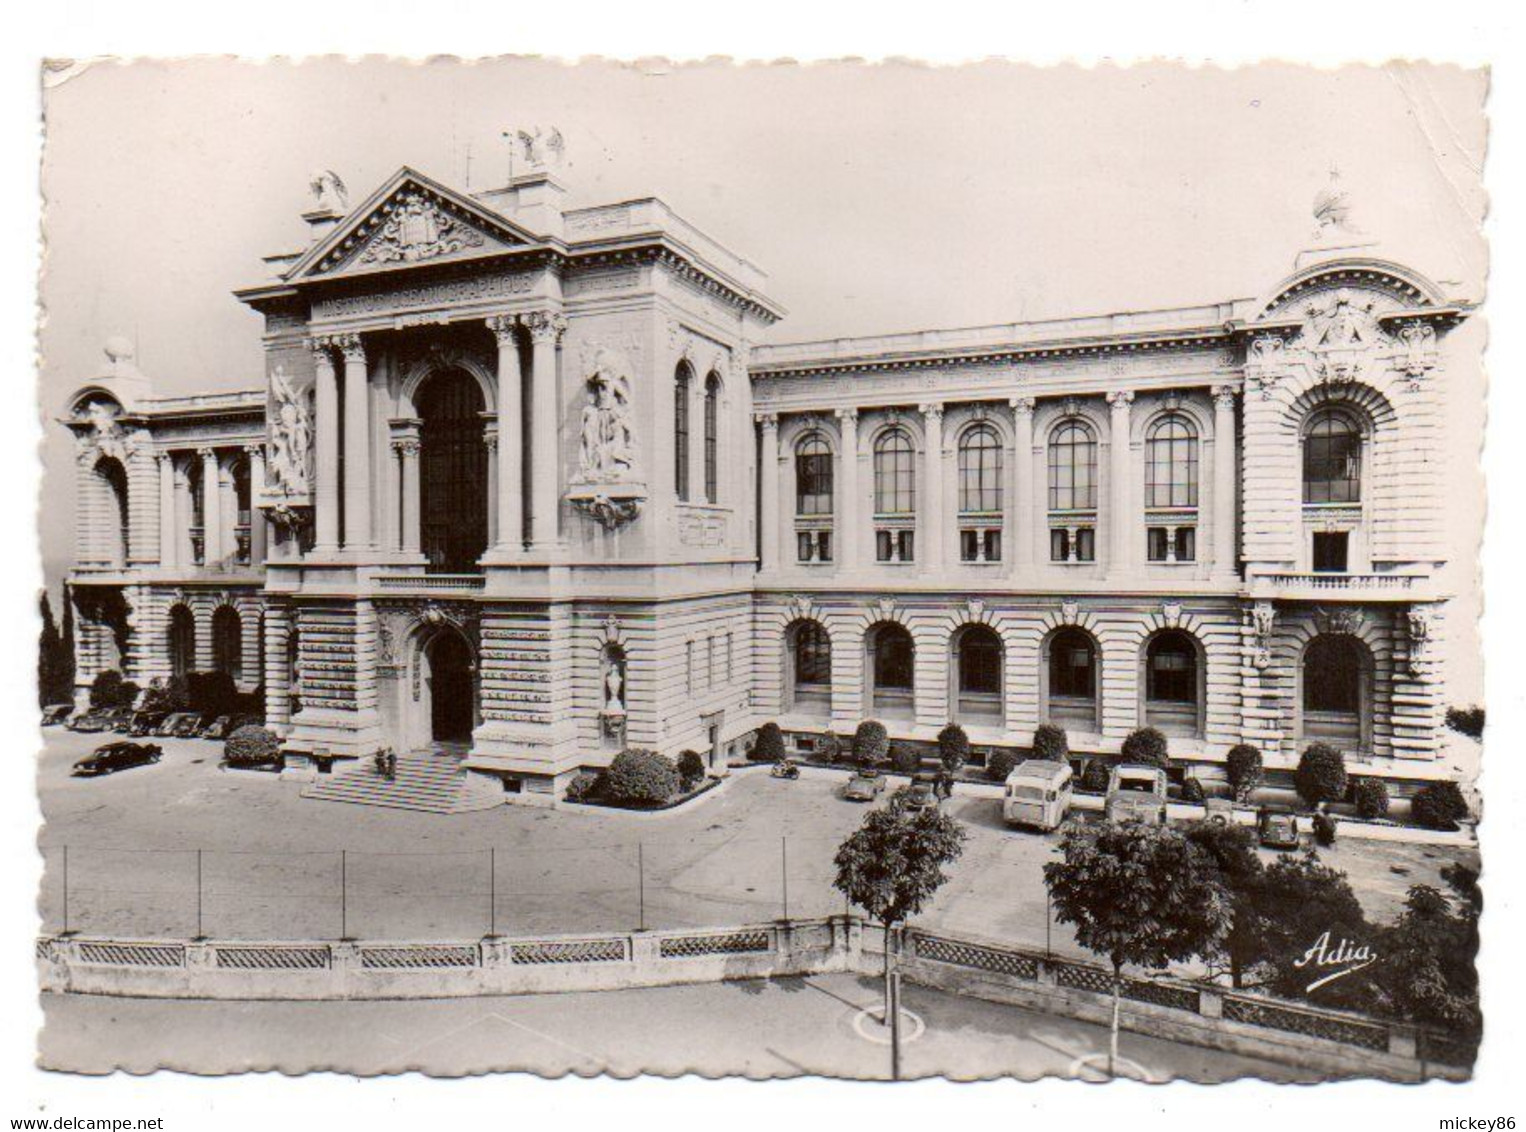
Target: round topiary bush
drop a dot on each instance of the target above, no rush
(953, 748)
(1000, 763)
(905, 758)
(1094, 776)
(1371, 797)
(1243, 767)
(252, 746)
(831, 747)
(871, 744)
(769, 747)
(127, 694)
(1051, 742)
(1192, 790)
(691, 769)
(1321, 775)
(638, 777)
(583, 787)
(1146, 747)
(1439, 806)
(1324, 829)
(106, 689)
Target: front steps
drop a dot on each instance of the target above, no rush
(428, 781)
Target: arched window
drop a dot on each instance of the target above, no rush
(1332, 458)
(980, 471)
(194, 485)
(681, 381)
(228, 643)
(1171, 463)
(895, 474)
(1337, 671)
(978, 669)
(452, 473)
(112, 480)
(1072, 468)
(712, 431)
(241, 504)
(182, 641)
(1072, 680)
(1171, 684)
(813, 476)
(811, 666)
(892, 664)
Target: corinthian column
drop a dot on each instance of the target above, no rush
(211, 508)
(768, 461)
(931, 504)
(510, 461)
(546, 329)
(1224, 457)
(407, 449)
(848, 520)
(326, 406)
(357, 445)
(168, 528)
(1020, 510)
(1120, 517)
(256, 454)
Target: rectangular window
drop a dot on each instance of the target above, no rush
(814, 546)
(1157, 543)
(980, 545)
(1059, 544)
(894, 545)
(1186, 544)
(823, 546)
(1330, 549)
(1086, 545)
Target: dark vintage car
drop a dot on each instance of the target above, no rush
(121, 719)
(54, 714)
(865, 786)
(146, 723)
(219, 728)
(183, 725)
(922, 794)
(1220, 811)
(91, 723)
(1277, 829)
(113, 757)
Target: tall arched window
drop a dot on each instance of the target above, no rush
(895, 495)
(112, 480)
(228, 643)
(811, 666)
(1171, 463)
(452, 473)
(194, 485)
(892, 665)
(182, 641)
(681, 382)
(1072, 492)
(1071, 699)
(980, 495)
(241, 505)
(1172, 696)
(813, 499)
(712, 437)
(1337, 692)
(1332, 458)
(978, 674)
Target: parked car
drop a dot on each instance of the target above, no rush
(219, 728)
(784, 768)
(113, 757)
(1219, 810)
(146, 723)
(121, 719)
(54, 714)
(922, 794)
(1136, 793)
(185, 725)
(865, 786)
(91, 722)
(1277, 829)
(1037, 794)
(171, 721)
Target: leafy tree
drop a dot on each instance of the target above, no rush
(55, 675)
(892, 866)
(1244, 770)
(1146, 747)
(1324, 829)
(1192, 790)
(1427, 973)
(1094, 776)
(1321, 775)
(1299, 900)
(871, 743)
(1466, 721)
(106, 689)
(953, 748)
(1439, 805)
(769, 747)
(638, 777)
(1050, 742)
(69, 667)
(1232, 848)
(1138, 893)
(905, 757)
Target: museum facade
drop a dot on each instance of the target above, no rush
(521, 486)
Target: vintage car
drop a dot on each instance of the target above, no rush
(1277, 829)
(865, 786)
(922, 794)
(146, 723)
(1220, 811)
(91, 722)
(54, 714)
(1037, 794)
(113, 757)
(1136, 793)
(219, 728)
(182, 725)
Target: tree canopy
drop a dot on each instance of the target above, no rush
(893, 864)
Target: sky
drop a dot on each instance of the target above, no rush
(879, 198)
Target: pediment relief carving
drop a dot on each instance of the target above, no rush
(413, 225)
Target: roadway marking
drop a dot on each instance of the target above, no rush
(918, 1027)
(1123, 1067)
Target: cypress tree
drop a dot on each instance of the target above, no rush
(50, 655)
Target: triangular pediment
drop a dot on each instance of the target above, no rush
(410, 220)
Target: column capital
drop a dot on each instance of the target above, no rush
(207, 453)
(769, 421)
(1224, 397)
(502, 326)
(932, 410)
(253, 450)
(164, 456)
(320, 345)
(1023, 406)
(406, 446)
(848, 415)
(1120, 400)
(545, 326)
(350, 346)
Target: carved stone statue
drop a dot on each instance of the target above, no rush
(614, 684)
(328, 192)
(540, 150)
(1332, 212)
(608, 446)
(107, 435)
(291, 438)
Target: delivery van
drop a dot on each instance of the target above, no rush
(1037, 794)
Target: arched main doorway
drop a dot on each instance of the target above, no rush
(453, 473)
(1337, 691)
(447, 679)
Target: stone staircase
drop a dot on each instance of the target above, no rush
(431, 781)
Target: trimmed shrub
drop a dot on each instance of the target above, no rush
(1192, 790)
(769, 747)
(179, 692)
(212, 693)
(1467, 721)
(1146, 747)
(252, 746)
(905, 758)
(953, 748)
(871, 744)
(583, 787)
(106, 689)
(1051, 742)
(638, 777)
(1371, 797)
(831, 747)
(1244, 770)
(1439, 806)
(691, 769)
(1001, 762)
(127, 695)
(1321, 775)
(1094, 776)
(1324, 828)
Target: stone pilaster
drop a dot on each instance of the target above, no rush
(326, 469)
(849, 519)
(932, 533)
(357, 445)
(768, 470)
(1019, 524)
(1224, 532)
(546, 330)
(169, 528)
(1120, 519)
(508, 468)
(211, 508)
(258, 533)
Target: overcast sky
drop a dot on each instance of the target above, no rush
(876, 198)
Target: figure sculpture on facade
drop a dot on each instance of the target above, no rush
(328, 191)
(291, 437)
(608, 446)
(540, 149)
(614, 686)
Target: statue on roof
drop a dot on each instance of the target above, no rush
(328, 192)
(1332, 211)
(540, 149)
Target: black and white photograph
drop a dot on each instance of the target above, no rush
(857, 571)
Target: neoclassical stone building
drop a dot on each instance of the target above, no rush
(521, 488)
